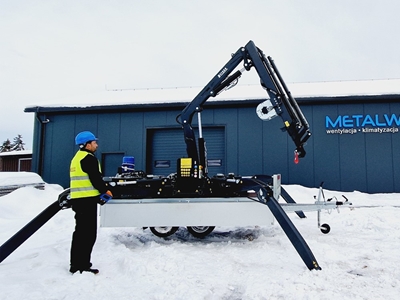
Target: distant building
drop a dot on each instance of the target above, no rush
(16, 161)
(355, 126)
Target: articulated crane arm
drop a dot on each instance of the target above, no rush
(280, 102)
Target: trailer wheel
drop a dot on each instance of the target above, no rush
(200, 231)
(163, 231)
(325, 228)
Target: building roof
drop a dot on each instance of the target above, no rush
(169, 96)
(16, 153)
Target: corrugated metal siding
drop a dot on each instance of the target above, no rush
(110, 163)
(167, 145)
(25, 164)
(361, 161)
(364, 162)
(15, 164)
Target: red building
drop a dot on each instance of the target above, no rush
(16, 161)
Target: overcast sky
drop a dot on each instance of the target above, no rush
(52, 50)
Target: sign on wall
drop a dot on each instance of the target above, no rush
(359, 123)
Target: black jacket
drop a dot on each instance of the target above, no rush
(90, 165)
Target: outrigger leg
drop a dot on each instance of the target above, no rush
(289, 199)
(22, 235)
(261, 180)
(264, 197)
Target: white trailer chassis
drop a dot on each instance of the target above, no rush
(203, 213)
(240, 211)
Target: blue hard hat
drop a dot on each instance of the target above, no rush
(83, 137)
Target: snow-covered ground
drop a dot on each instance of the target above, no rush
(359, 257)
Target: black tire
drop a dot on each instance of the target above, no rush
(200, 231)
(325, 228)
(163, 231)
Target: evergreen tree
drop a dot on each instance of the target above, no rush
(6, 146)
(18, 144)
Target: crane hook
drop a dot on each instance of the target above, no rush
(296, 157)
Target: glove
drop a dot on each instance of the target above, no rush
(104, 198)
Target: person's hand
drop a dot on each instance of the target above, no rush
(104, 198)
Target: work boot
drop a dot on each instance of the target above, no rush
(94, 271)
(74, 269)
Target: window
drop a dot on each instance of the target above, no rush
(214, 162)
(162, 163)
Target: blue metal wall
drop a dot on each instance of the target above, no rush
(363, 161)
(360, 161)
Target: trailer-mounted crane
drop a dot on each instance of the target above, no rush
(190, 197)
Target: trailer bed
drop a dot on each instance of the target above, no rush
(239, 211)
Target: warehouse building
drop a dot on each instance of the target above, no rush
(355, 126)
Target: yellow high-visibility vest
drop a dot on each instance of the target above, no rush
(80, 184)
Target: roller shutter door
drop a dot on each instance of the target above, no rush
(167, 145)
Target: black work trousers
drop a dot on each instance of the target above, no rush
(85, 233)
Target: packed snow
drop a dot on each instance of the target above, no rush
(19, 178)
(359, 257)
(239, 92)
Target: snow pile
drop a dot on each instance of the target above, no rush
(359, 257)
(19, 178)
(10, 181)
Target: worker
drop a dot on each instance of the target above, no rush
(87, 190)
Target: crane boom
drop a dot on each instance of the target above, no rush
(280, 102)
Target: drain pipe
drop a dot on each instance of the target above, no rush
(42, 135)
